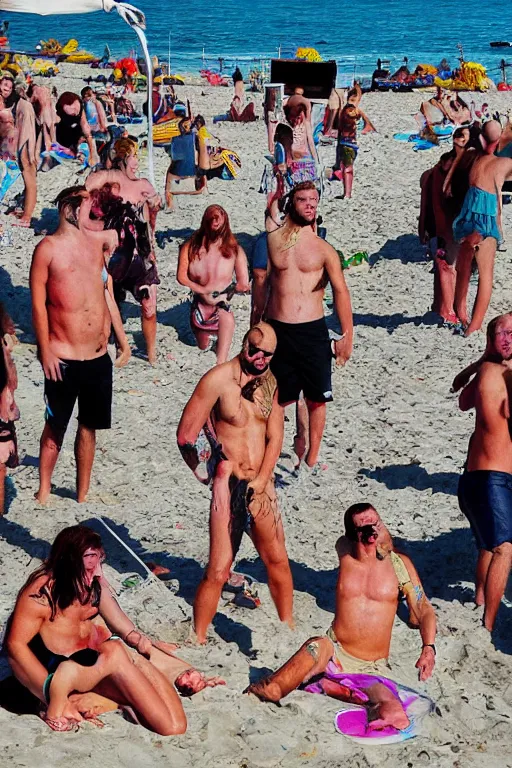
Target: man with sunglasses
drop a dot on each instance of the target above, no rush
(300, 264)
(371, 579)
(234, 421)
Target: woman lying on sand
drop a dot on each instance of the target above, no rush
(60, 645)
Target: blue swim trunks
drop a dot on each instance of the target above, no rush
(479, 214)
(485, 497)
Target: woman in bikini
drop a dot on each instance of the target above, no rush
(60, 645)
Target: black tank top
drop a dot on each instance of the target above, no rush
(69, 131)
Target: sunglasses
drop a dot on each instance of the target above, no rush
(253, 350)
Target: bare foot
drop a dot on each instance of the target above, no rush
(471, 329)
(42, 496)
(265, 690)
(299, 447)
(152, 358)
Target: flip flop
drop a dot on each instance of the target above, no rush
(246, 599)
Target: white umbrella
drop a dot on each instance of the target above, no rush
(129, 13)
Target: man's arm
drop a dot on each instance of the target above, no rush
(343, 307)
(241, 271)
(311, 142)
(27, 620)
(368, 125)
(117, 325)
(274, 442)
(196, 414)
(38, 280)
(422, 614)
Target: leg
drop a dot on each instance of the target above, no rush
(309, 661)
(348, 179)
(317, 413)
(115, 676)
(485, 260)
(463, 274)
(226, 331)
(496, 581)
(50, 446)
(148, 320)
(482, 568)
(29, 177)
(268, 537)
(202, 338)
(221, 554)
(85, 446)
(300, 441)
(3, 475)
(446, 282)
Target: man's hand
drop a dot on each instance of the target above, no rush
(256, 486)
(51, 365)
(342, 350)
(124, 355)
(426, 663)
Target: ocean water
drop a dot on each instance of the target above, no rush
(354, 32)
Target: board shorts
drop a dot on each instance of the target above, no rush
(89, 382)
(302, 361)
(345, 154)
(485, 497)
(349, 663)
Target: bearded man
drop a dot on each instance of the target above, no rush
(300, 265)
(235, 407)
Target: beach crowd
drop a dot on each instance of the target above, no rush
(68, 641)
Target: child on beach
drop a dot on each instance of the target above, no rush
(9, 412)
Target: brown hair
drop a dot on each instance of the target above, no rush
(355, 509)
(204, 236)
(64, 568)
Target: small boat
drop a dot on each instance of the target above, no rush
(501, 44)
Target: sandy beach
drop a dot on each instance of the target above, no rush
(394, 437)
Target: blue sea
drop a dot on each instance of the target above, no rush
(354, 32)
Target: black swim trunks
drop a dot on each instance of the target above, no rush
(302, 361)
(485, 497)
(89, 381)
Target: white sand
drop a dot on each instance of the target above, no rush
(394, 437)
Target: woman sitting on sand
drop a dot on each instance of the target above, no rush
(60, 645)
(133, 263)
(72, 127)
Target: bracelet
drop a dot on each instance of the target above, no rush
(430, 645)
(129, 633)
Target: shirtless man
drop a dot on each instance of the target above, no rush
(477, 227)
(298, 97)
(236, 405)
(300, 264)
(485, 488)
(143, 196)
(72, 312)
(59, 640)
(206, 265)
(370, 582)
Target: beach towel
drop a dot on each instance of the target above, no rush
(352, 721)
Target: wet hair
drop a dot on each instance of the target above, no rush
(66, 99)
(64, 569)
(237, 75)
(348, 520)
(204, 236)
(85, 91)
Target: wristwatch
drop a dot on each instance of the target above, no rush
(430, 645)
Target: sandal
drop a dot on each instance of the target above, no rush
(246, 599)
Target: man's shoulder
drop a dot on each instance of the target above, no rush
(490, 374)
(45, 249)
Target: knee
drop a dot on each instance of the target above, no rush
(114, 653)
(312, 406)
(227, 318)
(176, 726)
(503, 550)
(218, 574)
